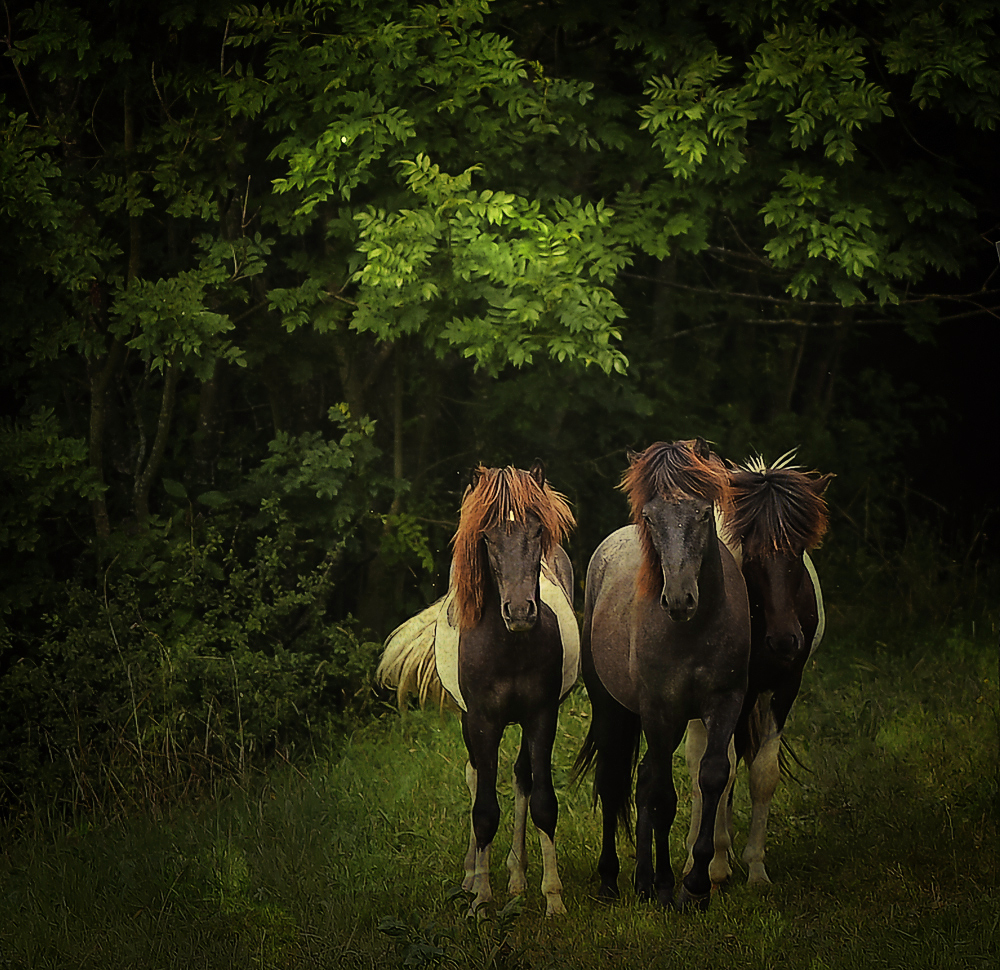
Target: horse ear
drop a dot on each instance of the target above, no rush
(472, 479)
(537, 472)
(701, 448)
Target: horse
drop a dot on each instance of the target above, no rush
(778, 515)
(503, 647)
(665, 639)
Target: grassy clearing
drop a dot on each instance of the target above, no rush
(884, 854)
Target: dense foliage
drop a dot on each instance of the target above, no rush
(276, 276)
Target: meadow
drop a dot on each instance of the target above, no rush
(882, 850)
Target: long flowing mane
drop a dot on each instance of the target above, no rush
(777, 509)
(670, 470)
(500, 496)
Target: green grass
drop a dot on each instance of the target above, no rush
(883, 853)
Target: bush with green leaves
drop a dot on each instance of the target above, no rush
(203, 644)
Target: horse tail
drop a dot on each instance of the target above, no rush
(786, 756)
(586, 760)
(760, 725)
(408, 660)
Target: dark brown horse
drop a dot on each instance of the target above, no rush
(778, 515)
(666, 638)
(505, 647)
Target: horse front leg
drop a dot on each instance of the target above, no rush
(715, 776)
(483, 742)
(719, 868)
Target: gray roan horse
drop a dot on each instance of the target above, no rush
(778, 515)
(511, 659)
(666, 638)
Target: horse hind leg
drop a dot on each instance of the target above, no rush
(614, 735)
(517, 859)
(469, 865)
(764, 773)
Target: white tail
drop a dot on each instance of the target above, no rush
(408, 660)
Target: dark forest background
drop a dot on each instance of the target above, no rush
(275, 278)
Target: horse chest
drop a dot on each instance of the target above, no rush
(508, 672)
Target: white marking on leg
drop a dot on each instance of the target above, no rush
(764, 774)
(719, 869)
(517, 859)
(551, 883)
(694, 748)
(481, 880)
(469, 865)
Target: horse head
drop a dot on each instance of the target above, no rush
(680, 529)
(514, 555)
(510, 520)
(772, 583)
(778, 514)
(672, 489)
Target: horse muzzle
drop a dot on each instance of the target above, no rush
(786, 648)
(680, 608)
(520, 619)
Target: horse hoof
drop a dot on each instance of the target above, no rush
(554, 906)
(608, 893)
(645, 893)
(687, 899)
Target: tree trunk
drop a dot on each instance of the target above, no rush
(100, 380)
(144, 481)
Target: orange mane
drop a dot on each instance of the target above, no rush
(674, 470)
(498, 494)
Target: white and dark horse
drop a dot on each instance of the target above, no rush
(503, 647)
(778, 514)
